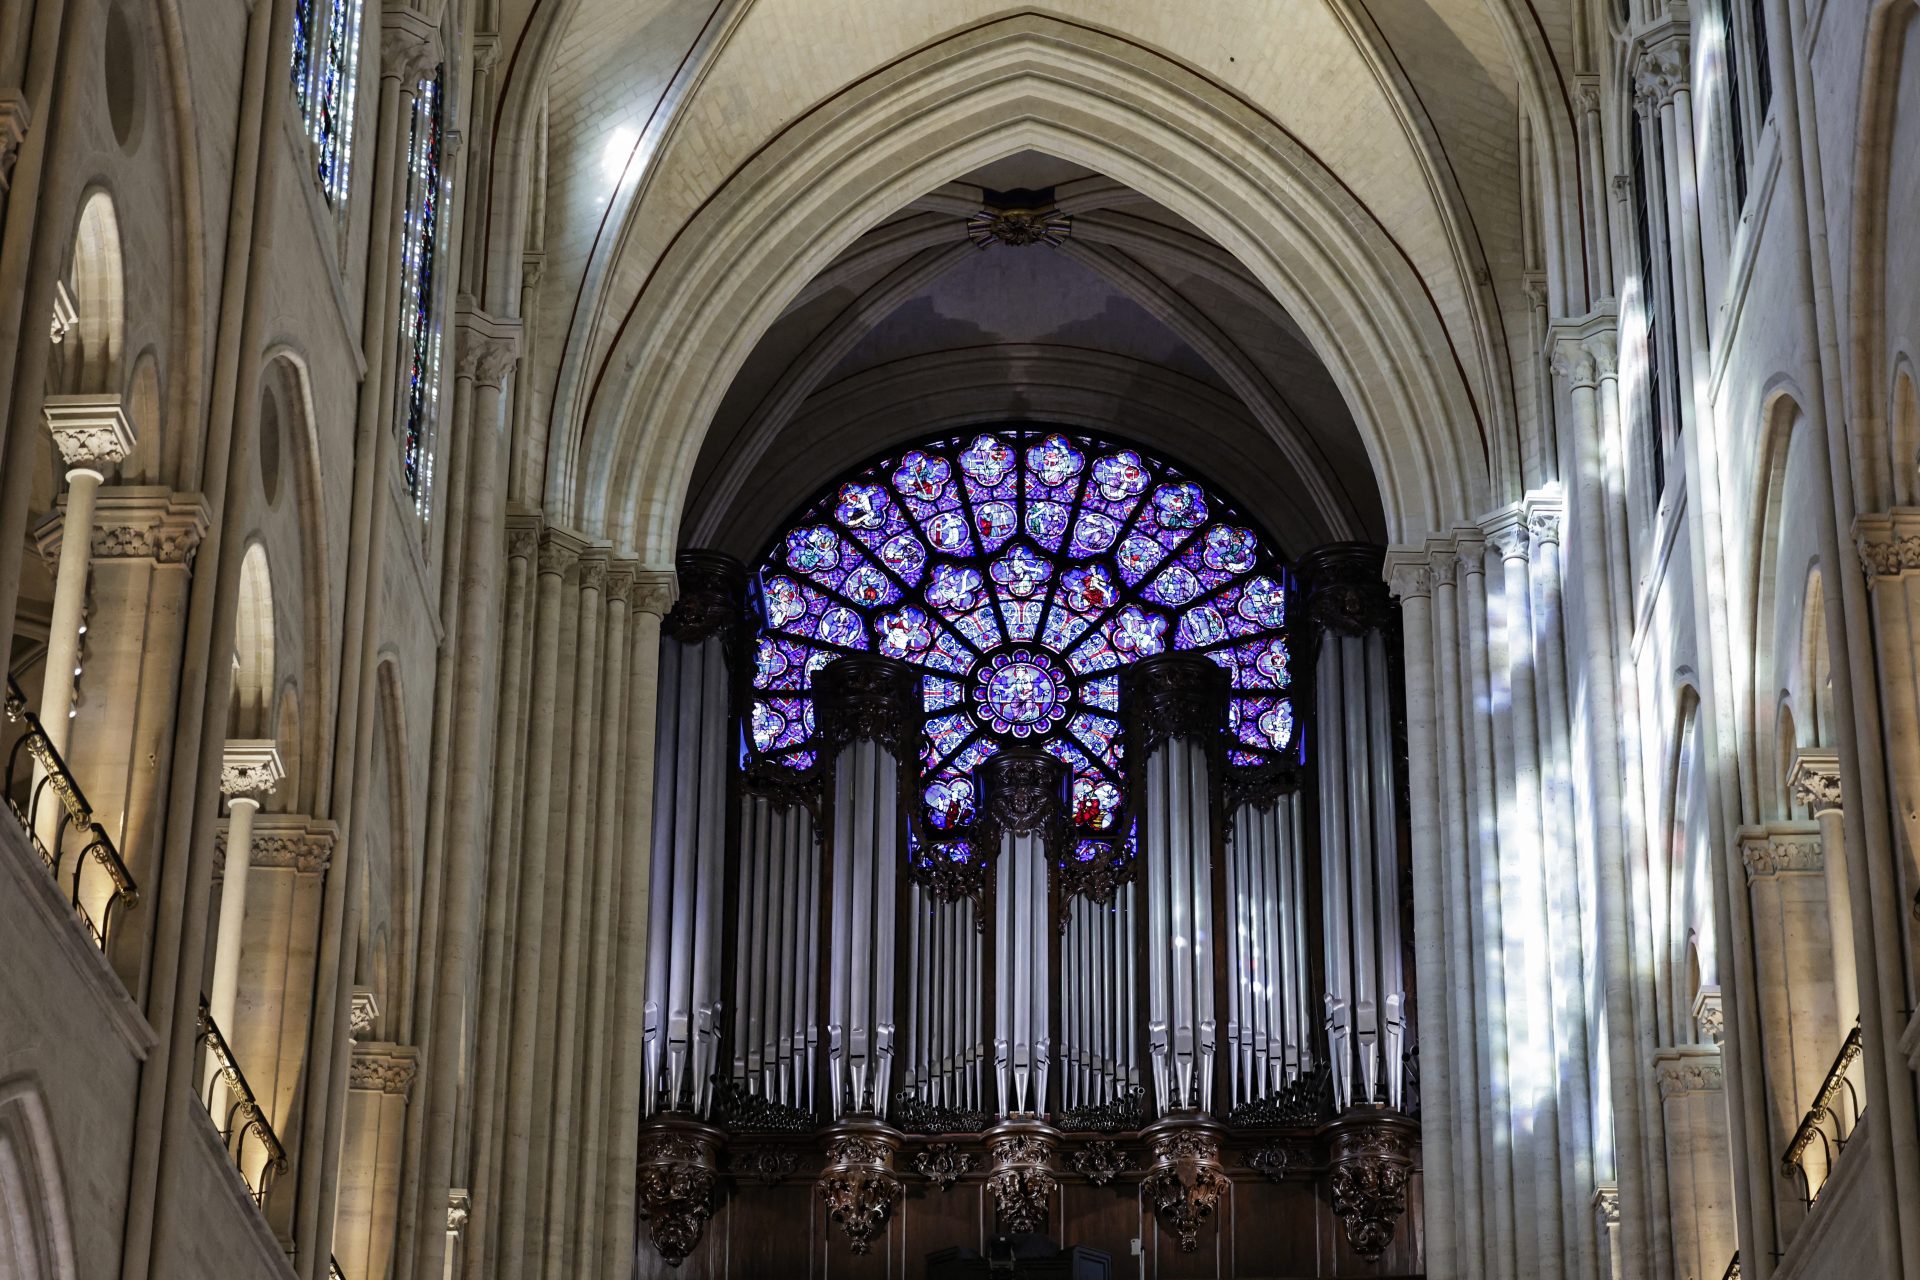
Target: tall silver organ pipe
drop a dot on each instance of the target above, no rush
(680, 1036)
(1025, 807)
(946, 1054)
(1096, 1061)
(776, 1033)
(1366, 996)
(1176, 705)
(1271, 1025)
(868, 709)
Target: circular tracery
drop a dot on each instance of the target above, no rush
(1020, 569)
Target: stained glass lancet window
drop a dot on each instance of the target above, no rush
(326, 73)
(1020, 569)
(419, 326)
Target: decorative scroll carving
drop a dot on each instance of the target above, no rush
(1124, 1114)
(1022, 1183)
(1097, 880)
(677, 1181)
(867, 696)
(911, 1114)
(768, 1166)
(285, 842)
(1172, 695)
(1101, 1161)
(1345, 593)
(1186, 1182)
(859, 1186)
(1372, 1160)
(1274, 1161)
(713, 593)
(1260, 788)
(949, 880)
(944, 1164)
(786, 788)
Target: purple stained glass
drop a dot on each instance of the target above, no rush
(419, 265)
(1021, 570)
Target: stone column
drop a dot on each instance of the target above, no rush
(1815, 782)
(92, 434)
(1700, 1185)
(249, 771)
(1792, 948)
(380, 1080)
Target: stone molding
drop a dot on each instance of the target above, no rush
(1781, 849)
(1888, 544)
(15, 118)
(1814, 780)
(409, 46)
(1688, 1069)
(133, 522)
(91, 431)
(383, 1067)
(250, 767)
(282, 841)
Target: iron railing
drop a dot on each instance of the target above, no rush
(333, 1269)
(244, 1129)
(1829, 1122)
(1733, 1267)
(58, 822)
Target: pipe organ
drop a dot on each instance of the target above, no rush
(1197, 1003)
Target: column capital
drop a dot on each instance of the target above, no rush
(654, 591)
(593, 568)
(383, 1067)
(1781, 848)
(711, 596)
(1543, 509)
(1888, 544)
(524, 525)
(1506, 533)
(489, 347)
(363, 1011)
(91, 431)
(1709, 1015)
(134, 522)
(409, 46)
(1688, 1069)
(560, 549)
(1344, 589)
(249, 769)
(459, 1209)
(1814, 780)
(1660, 73)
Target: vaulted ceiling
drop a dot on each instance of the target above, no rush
(1424, 118)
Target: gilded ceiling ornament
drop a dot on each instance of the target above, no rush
(1018, 228)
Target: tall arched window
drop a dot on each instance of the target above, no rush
(419, 324)
(326, 72)
(1019, 570)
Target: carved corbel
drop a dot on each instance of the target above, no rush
(1186, 1182)
(1345, 593)
(678, 1177)
(858, 1184)
(1372, 1164)
(1022, 1183)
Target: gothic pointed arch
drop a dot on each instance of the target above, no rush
(36, 1239)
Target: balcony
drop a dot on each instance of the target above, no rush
(1829, 1124)
(53, 811)
(244, 1129)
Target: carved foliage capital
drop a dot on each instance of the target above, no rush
(89, 430)
(409, 49)
(488, 355)
(1814, 780)
(383, 1068)
(1662, 72)
(250, 767)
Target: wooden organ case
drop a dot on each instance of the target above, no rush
(1194, 1057)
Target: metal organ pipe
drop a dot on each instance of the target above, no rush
(1359, 827)
(1025, 793)
(774, 988)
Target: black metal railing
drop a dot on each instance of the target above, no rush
(249, 1137)
(1829, 1123)
(333, 1269)
(1733, 1267)
(54, 813)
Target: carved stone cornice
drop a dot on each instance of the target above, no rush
(1372, 1162)
(489, 346)
(1172, 695)
(713, 597)
(1687, 1069)
(383, 1067)
(250, 767)
(1101, 1161)
(1889, 544)
(1022, 1182)
(134, 522)
(1813, 779)
(862, 696)
(1781, 849)
(283, 841)
(1186, 1182)
(678, 1176)
(409, 46)
(943, 1164)
(91, 432)
(362, 1012)
(858, 1184)
(1344, 590)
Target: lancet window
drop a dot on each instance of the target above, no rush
(326, 70)
(419, 321)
